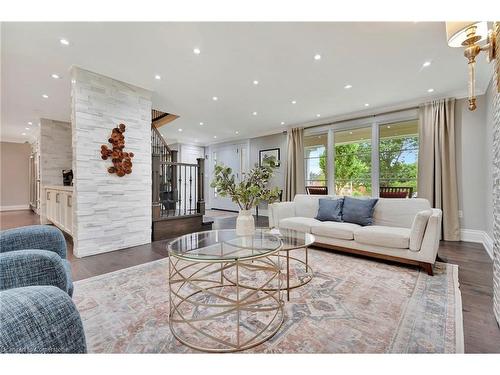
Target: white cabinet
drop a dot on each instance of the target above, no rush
(59, 209)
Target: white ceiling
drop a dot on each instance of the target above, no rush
(382, 61)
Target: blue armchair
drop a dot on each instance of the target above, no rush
(37, 313)
(34, 255)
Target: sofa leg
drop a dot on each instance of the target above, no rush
(427, 267)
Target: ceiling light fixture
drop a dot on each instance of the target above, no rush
(430, 90)
(55, 76)
(236, 132)
(294, 102)
(317, 57)
(30, 123)
(180, 130)
(255, 82)
(157, 76)
(426, 64)
(367, 104)
(348, 86)
(45, 96)
(468, 34)
(254, 113)
(215, 136)
(282, 122)
(201, 123)
(64, 42)
(318, 115)
(23, 133)
(214, 98)
(27, 128)
(196, 51)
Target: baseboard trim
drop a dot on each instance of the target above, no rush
(478, 236)
(15, 208)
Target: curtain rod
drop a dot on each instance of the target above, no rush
(362, 117)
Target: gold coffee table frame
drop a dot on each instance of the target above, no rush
(194, 283)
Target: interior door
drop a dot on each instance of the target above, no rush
(235, 157)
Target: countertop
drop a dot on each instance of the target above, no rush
(59, 187)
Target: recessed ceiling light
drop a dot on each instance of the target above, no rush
(55, 76)
(201, 123)
(282, 122)
(255, 82)
(430, 90)
(196, 51)
(318, 115)
(294, 102)
(367, 104)
(179, 129)
(30, 123)
(254, 113)
(348, 86)
(45, 96)
(64, 42)
(157, 76)
(317, 57)
(214, 98)
(426, 64)
(236, 132)
(23, 133)
(27, 128)
(215, 136)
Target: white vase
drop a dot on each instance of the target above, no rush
(245, 224)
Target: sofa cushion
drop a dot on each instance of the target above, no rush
(396, 212)
(344, 231)
(307, 205)
(358, 211)
(377, 235)
(330, 209)
(418, 229)
(302, 224)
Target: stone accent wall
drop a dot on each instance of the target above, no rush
(496, 185)
(56, 154)
(110, 212)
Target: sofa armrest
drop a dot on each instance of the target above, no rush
(33, 267)
(40, 319)
(432, 236)
(278, 211)
(44, 237)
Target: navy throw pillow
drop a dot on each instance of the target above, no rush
(330, 209)
(358, 211)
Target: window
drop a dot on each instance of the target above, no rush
(398, 155)
(315, 159)
(353, 150)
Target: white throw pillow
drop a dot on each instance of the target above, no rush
(418, 229)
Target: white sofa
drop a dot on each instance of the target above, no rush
(403, 230)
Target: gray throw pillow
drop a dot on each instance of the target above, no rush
(330, 209)
(358, 211)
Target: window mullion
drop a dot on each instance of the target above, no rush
(375, 160)
(330, 162)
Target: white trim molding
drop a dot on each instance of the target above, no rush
(15, 208)
(478, 236)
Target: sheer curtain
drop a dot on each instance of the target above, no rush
(437, 172)
(295, 178)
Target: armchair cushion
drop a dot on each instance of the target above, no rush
(34, 267)
(43, 237)
(40, 319)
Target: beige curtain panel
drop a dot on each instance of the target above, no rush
(295, 179)
(437, 172)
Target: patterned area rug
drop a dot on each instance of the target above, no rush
(352, 305)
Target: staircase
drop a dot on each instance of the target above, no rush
(178, 203)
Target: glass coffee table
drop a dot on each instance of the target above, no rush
(225, 289)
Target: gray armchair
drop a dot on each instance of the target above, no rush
(34, 255)
(38, 315)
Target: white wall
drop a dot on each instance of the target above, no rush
(14, 176)
(56, 154)
(110, 212)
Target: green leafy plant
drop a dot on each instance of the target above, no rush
(252, 189)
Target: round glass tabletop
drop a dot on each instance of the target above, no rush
(224, 245)
(292, 239)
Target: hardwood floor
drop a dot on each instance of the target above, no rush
(481, 332)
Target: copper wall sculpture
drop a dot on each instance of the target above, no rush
(122, 161)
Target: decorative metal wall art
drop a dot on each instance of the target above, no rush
(122, 161)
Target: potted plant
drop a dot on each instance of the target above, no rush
(247, 193)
